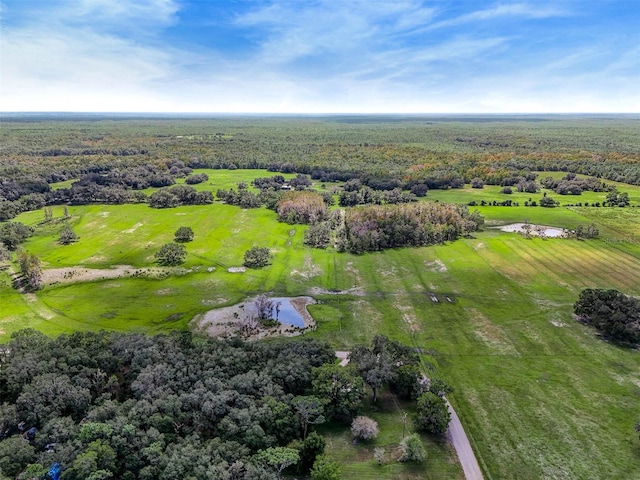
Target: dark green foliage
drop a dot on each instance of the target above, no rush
(341, 388)
(161, 408)
(257, 257)
(477, 183)
(163, 199)
(184, 234)
(432, 414)
(378, 364)
(5, 254)
(617, 199)
(548, 202)
(67, 236)
(308, 449)
(586, 231)
(171, 254)
(195, 179)
(15, 454)
(611, 312)
(13, 234)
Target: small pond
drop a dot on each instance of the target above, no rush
(284, 312)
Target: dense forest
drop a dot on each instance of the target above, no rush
(107, 405)
(112, 159)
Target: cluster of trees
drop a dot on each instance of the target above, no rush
(109, 405)
(242, 197)
(13, 234)
(614, 314)
(570, 184)
(30, 271)
(179, 195)
(372, 228)
(395, 365)
(616, 199)
(304, 207)
(366, 195)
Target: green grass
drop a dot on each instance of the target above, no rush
(539, 394)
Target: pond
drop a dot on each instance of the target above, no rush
(291, 314)
(284, 312)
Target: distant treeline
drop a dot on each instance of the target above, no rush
(112, 158)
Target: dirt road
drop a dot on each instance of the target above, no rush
(458, 438)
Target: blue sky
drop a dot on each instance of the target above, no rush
(322, 56)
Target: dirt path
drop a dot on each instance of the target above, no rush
(455, 434)
(458, 438)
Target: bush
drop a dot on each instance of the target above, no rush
(195, 179)
(548, 202)
(432, 414)
(364, 428)
(257, 257)
(326, 470)
(412, 449)
(171, 254)
(67, 236)
(184, 234)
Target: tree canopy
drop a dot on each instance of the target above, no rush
(611, 312)
(161, 408)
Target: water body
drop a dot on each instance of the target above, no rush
(287, 312)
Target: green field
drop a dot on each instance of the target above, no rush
(538, 393)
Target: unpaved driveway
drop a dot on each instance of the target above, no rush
(458, 438)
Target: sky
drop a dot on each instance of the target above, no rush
(321, 56)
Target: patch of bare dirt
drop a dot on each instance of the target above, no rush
(435, 266)
(81, 274)
(356, 291)
(309, 270)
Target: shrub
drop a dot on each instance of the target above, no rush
(257, 257)
(364, 428)
(171, 254)
(326, 470)
(184, 234)
(198, 178)
(412, 449)
(67, 236)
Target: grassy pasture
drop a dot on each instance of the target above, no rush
(539, 394)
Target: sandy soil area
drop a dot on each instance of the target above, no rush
(236, 320)
(552, 232)
(80, 274)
